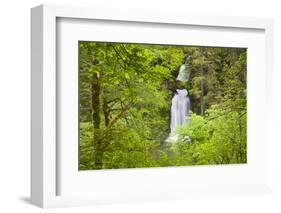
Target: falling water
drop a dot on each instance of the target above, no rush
(183, 73)
(179, 109)
(180, 105)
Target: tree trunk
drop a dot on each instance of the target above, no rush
(106, 112)
(202, 89)
(96, 119)
(240, 142)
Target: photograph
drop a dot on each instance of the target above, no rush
(161, 105)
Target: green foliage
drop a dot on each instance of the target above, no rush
(217, 138)
(125, 95)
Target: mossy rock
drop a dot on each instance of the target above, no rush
(181, 85)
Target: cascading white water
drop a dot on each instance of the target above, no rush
(179, 109)
(183, 73)
(180, 105)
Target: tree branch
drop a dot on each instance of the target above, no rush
(120, 114)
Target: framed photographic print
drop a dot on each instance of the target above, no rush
(129, 106)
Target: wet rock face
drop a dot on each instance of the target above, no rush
(181, 85)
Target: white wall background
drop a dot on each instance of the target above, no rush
(15, 104)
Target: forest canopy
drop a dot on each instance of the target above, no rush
(125, 101)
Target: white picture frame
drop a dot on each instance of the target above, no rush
(46, 167)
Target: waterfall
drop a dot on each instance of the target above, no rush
(180, 105)
(180, 108)
(183, 73)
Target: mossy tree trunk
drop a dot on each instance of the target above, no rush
(96, 120)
